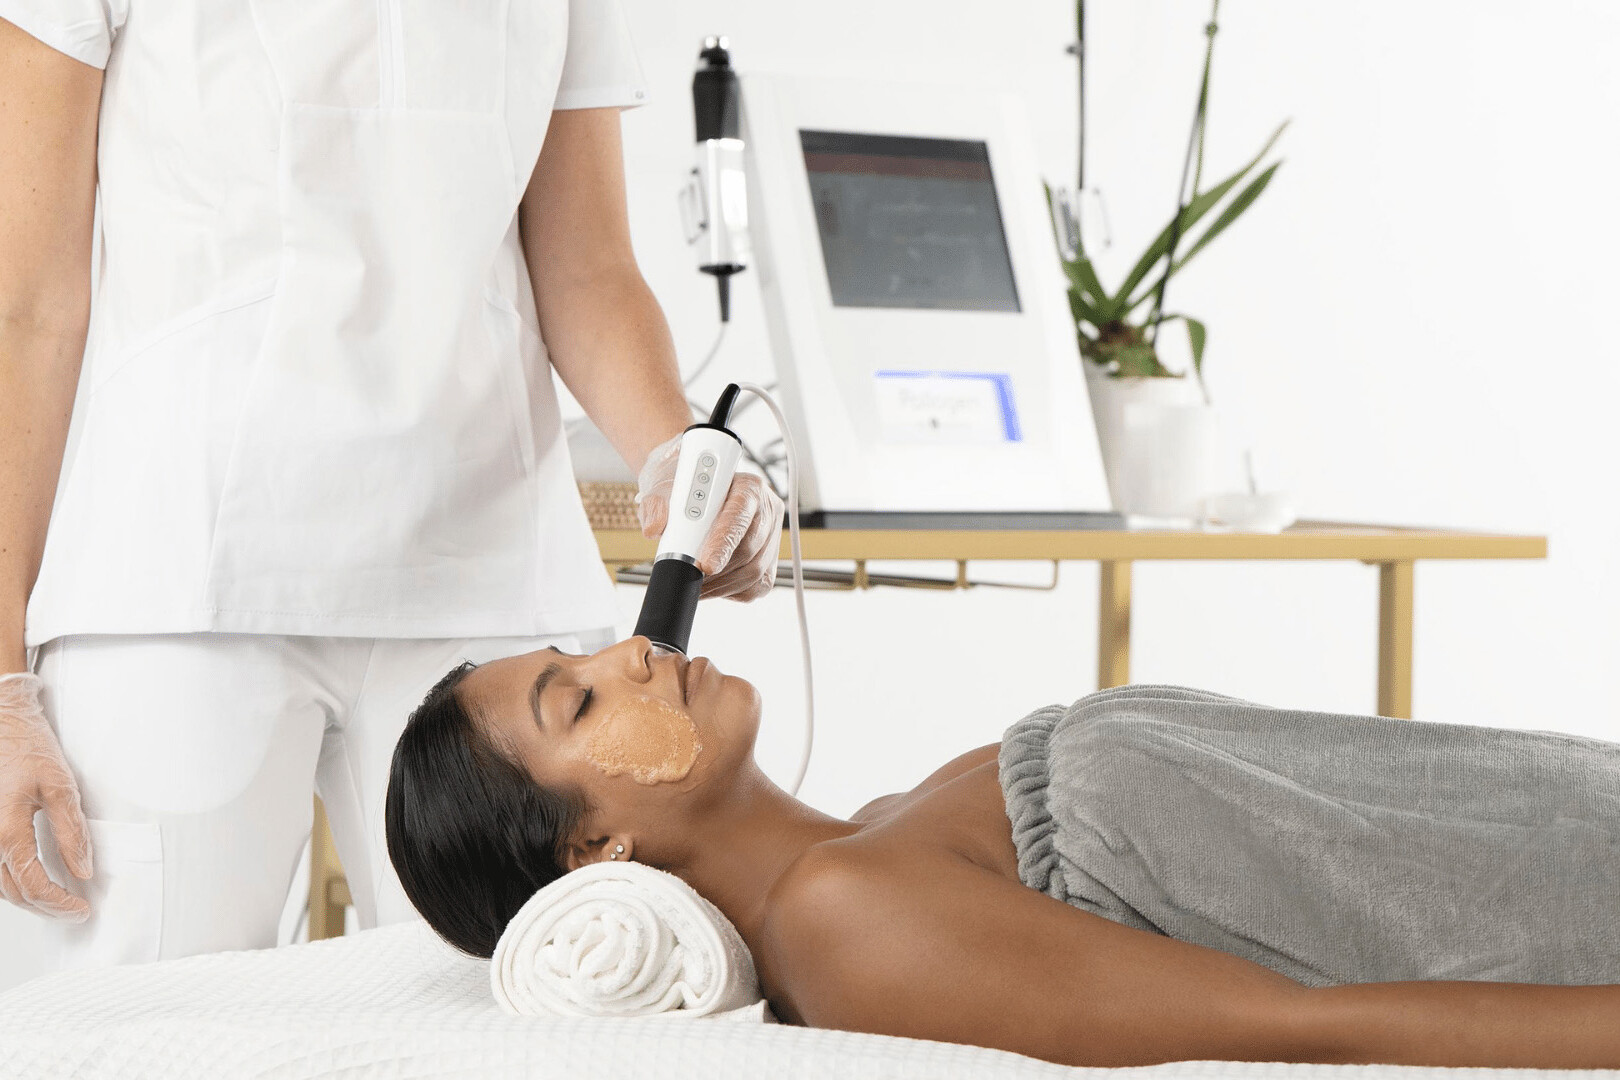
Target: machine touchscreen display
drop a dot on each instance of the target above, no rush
(908, 222)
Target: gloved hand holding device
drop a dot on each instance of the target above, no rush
(739, 558)
(33, 776)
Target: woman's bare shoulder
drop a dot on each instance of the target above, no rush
(947, 772)
(959, 765)
(816, 889)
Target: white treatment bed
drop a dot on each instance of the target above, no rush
(397, 1002)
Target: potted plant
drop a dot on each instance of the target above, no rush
(1155, 426)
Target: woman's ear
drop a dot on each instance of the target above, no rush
(602, 849)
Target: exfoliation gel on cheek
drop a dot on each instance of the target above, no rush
(647, 738)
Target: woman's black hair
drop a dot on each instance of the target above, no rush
(470, 833)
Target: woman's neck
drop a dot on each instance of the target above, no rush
(747, 843)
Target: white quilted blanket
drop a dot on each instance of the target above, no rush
(397, 1002)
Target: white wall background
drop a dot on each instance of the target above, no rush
(1413, 325)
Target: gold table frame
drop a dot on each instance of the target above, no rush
(1395, 550)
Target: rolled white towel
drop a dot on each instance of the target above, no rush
(624, 939)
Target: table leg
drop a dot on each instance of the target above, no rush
(1395, 638)
(1114, 624)
(325, 872)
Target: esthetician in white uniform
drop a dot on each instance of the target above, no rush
(318, 457)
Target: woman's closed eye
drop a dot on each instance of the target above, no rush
(584, 703)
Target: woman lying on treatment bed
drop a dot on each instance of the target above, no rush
(1407, 892)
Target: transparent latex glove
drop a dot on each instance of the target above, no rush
(739, 556)
(35, 776)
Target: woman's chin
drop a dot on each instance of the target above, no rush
(733, 702)
(752, 696)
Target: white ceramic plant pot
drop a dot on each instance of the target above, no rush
(1159, 445)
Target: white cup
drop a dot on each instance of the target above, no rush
(1167, 460)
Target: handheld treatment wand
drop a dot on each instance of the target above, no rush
(703, 473)
(711, 450)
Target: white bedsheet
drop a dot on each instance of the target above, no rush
(397, 1002)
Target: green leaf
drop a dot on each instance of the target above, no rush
(1232, 212)
(1079, 273)
(1085, 275)
(1080, 309)
(1196, 336)
(1196, 208)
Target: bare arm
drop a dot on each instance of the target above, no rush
(939, 948)
(946, 950)
(606, 334)
(1473, 1023)
(50, 106)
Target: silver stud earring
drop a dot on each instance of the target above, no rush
(618, 848)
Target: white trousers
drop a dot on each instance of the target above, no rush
(196, 755)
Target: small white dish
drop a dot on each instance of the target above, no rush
(1239, 511)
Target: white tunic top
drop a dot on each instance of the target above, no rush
(318, 400)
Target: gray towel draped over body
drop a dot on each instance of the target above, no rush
(1332, 848)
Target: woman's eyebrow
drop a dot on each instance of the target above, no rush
(548, 673)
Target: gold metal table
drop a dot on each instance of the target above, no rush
(1395, 550)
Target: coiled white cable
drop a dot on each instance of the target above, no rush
(798, 578)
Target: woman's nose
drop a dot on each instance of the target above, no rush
(636, 652)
